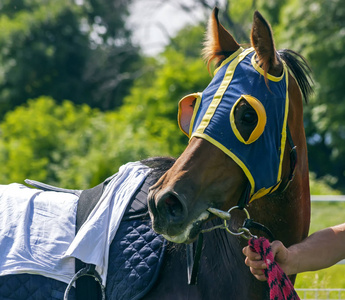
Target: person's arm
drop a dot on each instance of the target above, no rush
(320, 250)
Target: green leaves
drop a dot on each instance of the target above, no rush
(153, 102)
(65, 50)
(316, 29)
(76, 146)
(82, 51)
(40, 139)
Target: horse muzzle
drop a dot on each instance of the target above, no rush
(170, 217)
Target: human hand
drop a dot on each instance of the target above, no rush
(257, 265)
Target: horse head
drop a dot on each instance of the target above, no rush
(239, 135)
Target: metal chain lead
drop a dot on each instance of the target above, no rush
(226, 216)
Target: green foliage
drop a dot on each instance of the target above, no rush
(323, 215)
(81, 50)
(316, 29)
(67, 145)
(326, 214)
(322, 186)
(66, 51)
(78, 147)
(330, 278)
(240, 16)
(42, 140)
(152, 103)
(189, 41)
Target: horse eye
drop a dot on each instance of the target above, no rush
(245, 118)
(249, 117)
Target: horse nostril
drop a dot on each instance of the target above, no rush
(172, 208)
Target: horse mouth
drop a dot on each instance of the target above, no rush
(171, 218)
(186, 235)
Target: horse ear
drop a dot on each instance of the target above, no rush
(219, 43)
(263, 43)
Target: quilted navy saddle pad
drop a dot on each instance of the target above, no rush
(135, 257)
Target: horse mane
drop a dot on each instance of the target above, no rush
(300, 69)
(159, 164)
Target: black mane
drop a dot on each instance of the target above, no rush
(300, 70)
(159, 165)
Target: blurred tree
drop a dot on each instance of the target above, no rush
(226, 13)
(68, 145)
(76, 146)
(46, 141)
(114, 62)
(153, 101)
(78, 50)
(322, 186)
(241, 14)
(316, 29)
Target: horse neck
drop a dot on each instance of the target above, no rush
(223, 245)
(286, 214)
(222, 272)
(223, 261)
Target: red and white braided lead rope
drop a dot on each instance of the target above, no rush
(280, 285)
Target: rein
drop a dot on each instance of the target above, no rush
(280, 285)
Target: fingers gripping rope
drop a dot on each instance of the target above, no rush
(280, 285)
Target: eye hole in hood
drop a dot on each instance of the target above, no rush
(248, 119)
(187, 108)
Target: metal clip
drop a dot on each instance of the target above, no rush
(246, 234)
(226, 216)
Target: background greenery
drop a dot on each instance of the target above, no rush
(324, 214)
(78, 98)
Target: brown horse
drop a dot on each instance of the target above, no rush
(222, 169)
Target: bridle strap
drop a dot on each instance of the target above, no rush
(245, 197)
(251, 224)
(293, 155)
(293, 159)
(193, 259)
(244, 200)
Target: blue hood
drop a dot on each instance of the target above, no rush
(260, 156)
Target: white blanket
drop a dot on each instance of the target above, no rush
(37, 229)
(91, 245)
